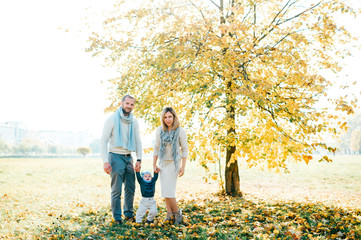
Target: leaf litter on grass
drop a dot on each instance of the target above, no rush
(58, 207)
(218, 217)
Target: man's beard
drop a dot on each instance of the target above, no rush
(125, 112)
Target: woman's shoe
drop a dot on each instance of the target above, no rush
(178, 217)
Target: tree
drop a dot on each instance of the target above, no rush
(84, 150)
(244, 76)
(353, 123)
(4, 147)
(23, 147)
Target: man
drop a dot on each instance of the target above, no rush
(121, 133)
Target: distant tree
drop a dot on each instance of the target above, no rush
(24, 147)
(95, 146)
(38, 148)
(353, 122)
(53, 149)
(4, 147)
(84, 150)
(355, 141)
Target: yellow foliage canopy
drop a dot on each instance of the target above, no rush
(245, 74)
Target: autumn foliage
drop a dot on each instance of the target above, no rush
(246, 77)
(221, 218)
(84, 151)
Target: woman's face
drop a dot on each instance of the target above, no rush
(168, 119)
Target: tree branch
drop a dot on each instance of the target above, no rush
(215, 4)
(299, 14)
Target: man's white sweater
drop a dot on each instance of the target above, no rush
(107, 140)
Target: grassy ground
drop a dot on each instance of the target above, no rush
(69, 198)
(336, 183)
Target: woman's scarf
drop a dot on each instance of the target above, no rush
(169, 137)
(118, 137)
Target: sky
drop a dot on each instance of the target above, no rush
(47, 80)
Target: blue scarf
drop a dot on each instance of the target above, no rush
(169, 138)
(118, 140)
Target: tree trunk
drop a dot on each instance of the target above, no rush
(232, 175)
(231, 171)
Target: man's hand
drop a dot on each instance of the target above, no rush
(107, 167)
(138, 166)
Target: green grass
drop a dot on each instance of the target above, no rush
(335, 183)
(70, 198)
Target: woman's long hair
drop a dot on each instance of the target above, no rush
(176, 123)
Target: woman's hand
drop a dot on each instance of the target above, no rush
(156, 169)
(181, 172)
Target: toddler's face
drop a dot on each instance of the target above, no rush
(147, 177)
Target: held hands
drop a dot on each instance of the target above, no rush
(156, 169)
(107, 168)
(138, 166)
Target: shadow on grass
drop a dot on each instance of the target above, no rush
(218, 218)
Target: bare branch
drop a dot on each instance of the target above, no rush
(274, 19)
(204, 18)
(299, 14)
(254, 19)
(215, 4)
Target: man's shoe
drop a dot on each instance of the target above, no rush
(149, 222)
(119, 222)
(130, 219)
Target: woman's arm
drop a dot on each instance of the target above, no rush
(184, 149)
(156, 151)
(183, 166)
(156, 169)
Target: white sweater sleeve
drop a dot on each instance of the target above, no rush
(138, 142)
(183, 142)
(107, 133)
(157, 142)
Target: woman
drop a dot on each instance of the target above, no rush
(171, 149)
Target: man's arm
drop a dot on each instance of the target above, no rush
(106, 134)
(138, 146)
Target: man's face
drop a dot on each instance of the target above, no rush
(128, 105)
(147, 177)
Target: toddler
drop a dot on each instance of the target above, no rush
(147, 188)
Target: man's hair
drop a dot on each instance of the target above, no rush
(176, 123)
(127, 96)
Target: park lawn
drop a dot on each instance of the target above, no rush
(69, 198)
